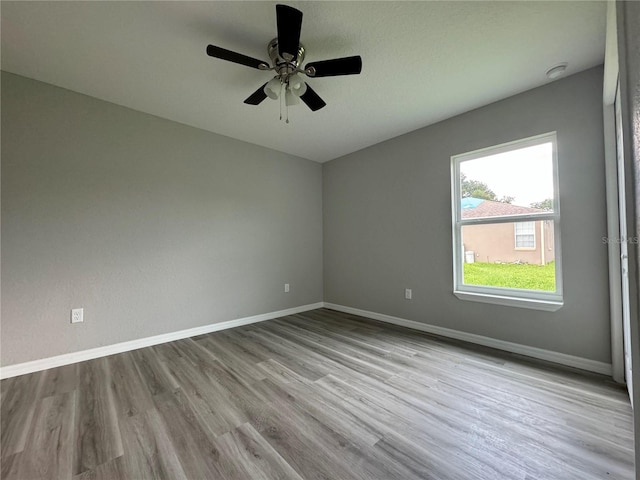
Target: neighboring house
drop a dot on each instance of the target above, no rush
(526, 242)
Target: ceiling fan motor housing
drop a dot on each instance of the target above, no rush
(284, 68)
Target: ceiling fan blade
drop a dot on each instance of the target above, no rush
(289, 24)
(335, 67)
(235, 57)
(256, 97)
(312, 99)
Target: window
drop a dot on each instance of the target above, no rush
(506, 224)
(526, 235)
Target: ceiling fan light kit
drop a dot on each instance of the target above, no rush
(273, 87)
(297, 85)
(287, 54)
(290, 98)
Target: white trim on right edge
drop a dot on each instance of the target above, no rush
(556, 357)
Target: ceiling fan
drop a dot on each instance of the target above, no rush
(286, 54)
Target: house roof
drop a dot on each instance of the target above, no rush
(477, 207)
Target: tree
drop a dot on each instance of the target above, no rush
(546, 204)
(478, 189)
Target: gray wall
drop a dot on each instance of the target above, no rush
(150, 225)
(154, 227)
(387, 221)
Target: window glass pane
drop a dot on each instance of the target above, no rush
(511, 183)
(525, 241)
(492, 258)
(525, 234)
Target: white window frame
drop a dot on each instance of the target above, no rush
(515, 236)
(514, 297)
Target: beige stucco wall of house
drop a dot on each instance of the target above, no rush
(493, 243)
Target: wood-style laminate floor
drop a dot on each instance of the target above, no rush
(320, 395)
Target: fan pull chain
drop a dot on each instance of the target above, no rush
(286, 106)
(283, 99)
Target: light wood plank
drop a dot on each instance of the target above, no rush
(59, 380)
(245, 454)
(49, 449)
(98, 437)
(149, 450)
(16, 412)
(318, 395)
(128, 388)
(192, 440)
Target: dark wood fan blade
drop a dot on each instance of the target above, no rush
(235, 57)
(256, 97)
(289, 22)
(335, 67)
(312, 99)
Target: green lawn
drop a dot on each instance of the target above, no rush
(530, 277)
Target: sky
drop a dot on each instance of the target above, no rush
(526, 174)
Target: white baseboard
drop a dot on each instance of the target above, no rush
(68, 358)
(556, 357)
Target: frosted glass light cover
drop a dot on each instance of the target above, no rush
(272, 88)
(290, 98)
(297, 85)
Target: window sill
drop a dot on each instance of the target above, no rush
(535, 304)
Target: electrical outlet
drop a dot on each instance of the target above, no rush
(408, 293)
(77, 315)
(286, 288)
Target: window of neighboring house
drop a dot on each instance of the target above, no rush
(506, 224)
(525, 235)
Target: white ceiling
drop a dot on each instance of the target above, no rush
(422, 61)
